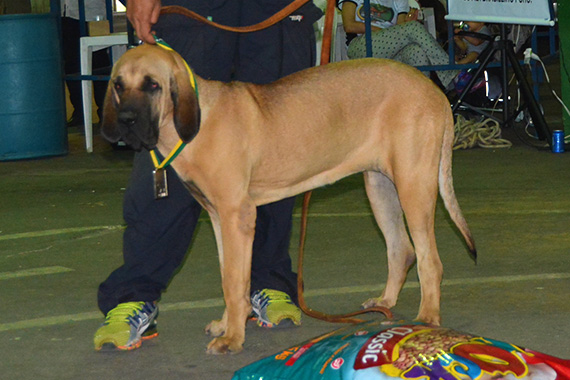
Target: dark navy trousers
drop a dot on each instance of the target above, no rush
(159, 232)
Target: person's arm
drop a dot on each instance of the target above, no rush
(143, 14)
(476, 27)
(474, 40)
(469, 58)
(461, 45)
(412, 15)
(405, 12)
(349, 22)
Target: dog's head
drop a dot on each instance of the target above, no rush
(149, 89)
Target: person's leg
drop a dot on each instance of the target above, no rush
(264, 57)
(413, 55)
(101, 66)
(386, 43)
(156, 238)
(435, 54)
(155, 243)
(71, 56)
(70, 40)
(166, 225)
(159, 231)
(271, 264)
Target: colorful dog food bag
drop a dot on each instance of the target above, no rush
(380, 350)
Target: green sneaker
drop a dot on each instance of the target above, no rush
(126, 326)
(272, 308)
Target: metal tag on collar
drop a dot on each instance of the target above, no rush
(160, 183)
(159, 172)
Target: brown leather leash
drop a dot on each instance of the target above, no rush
(293, 6)
(325, 59)
(340, 318)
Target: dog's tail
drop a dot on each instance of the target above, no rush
(447, 191)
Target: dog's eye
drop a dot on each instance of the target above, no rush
(150, 85)
(118, 86)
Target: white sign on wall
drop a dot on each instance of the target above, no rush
(527, 12)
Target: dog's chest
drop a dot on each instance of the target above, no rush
(198, 195)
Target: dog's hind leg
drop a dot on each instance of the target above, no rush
(418, 191)
(388, 214)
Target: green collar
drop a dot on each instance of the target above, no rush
(180, 145)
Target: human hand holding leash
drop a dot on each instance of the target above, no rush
(143, 14)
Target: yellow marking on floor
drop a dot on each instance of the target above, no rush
(33, 272)
(60, 231)
(219, 302)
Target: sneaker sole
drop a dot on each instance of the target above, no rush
(110, 347)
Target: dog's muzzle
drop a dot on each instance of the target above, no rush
(137, 126)
(127, 118)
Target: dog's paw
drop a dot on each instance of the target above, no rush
(216, 328)
(429, 319)
(375, 302)
(224, 345)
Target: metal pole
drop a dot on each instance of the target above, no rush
(505, 79)
(564, 35)
(542, 129)
(368, 28)
(82, 23)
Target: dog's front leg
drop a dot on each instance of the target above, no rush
(236, 229)
(218, 326)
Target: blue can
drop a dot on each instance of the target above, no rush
(558, 141)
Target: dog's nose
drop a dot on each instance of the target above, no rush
(127, 117)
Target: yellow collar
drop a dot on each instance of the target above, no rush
(180, 145)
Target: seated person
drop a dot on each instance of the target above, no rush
(439, 13)
(395, 35)
(469, 47)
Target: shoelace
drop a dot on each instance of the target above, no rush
(124, 312)
(270, 296)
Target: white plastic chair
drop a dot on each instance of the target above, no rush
(89, 44)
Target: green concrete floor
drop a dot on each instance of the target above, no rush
(60, 235)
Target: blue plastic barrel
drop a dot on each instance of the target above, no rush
(32, 95)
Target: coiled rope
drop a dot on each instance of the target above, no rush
(485, 134)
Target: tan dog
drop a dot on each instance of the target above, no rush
(259, 144)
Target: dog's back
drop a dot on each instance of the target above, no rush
(342, 118)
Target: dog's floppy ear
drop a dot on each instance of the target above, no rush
(184, 102)
(109, 127)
